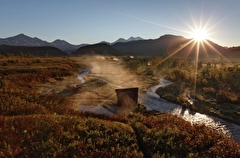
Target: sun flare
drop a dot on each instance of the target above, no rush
(199, 35)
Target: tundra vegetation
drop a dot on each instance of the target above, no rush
(215, 84)
(34, 124)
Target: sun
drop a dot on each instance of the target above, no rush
(199, 35)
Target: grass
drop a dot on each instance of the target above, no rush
(37, 124)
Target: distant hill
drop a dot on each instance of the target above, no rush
(168, 45)
(37, 50)
(122, 40)
(65, 46)
(23, 40)
(233, 52)
(100, 48)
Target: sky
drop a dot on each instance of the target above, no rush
(93, 21)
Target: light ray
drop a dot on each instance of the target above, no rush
(176, 51)
(151, 22)
(204, 49)
(206, 27)
(196, 69)
(216, 51)
(192, 46)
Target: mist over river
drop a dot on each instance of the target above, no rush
(152, 101)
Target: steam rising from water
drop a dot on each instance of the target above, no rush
(110, 71)
(103, 75)
(116, 76)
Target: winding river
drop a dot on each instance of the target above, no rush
(153, 102)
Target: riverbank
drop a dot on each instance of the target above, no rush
(36, 123)
(171, 93)
(153, 102)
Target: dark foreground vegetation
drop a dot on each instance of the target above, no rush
(44, 125)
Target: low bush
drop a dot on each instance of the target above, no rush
(65, 136)
(37, 125)
(168, 136)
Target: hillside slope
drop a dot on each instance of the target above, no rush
(37, 51)
(169, 45)
(100, 48)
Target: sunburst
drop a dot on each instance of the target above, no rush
(199, 35)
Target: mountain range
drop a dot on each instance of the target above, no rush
(122, 40)
(166, 45)
(23, 40)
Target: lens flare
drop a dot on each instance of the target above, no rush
(197, 31)
(199, 35)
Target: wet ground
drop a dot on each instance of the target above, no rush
(153, 102)
(114, 76)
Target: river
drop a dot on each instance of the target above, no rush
(152, 101)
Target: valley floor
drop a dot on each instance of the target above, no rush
(38, 116)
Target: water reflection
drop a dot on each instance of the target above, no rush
(83, 72)
(156, 103)
(152, 101)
